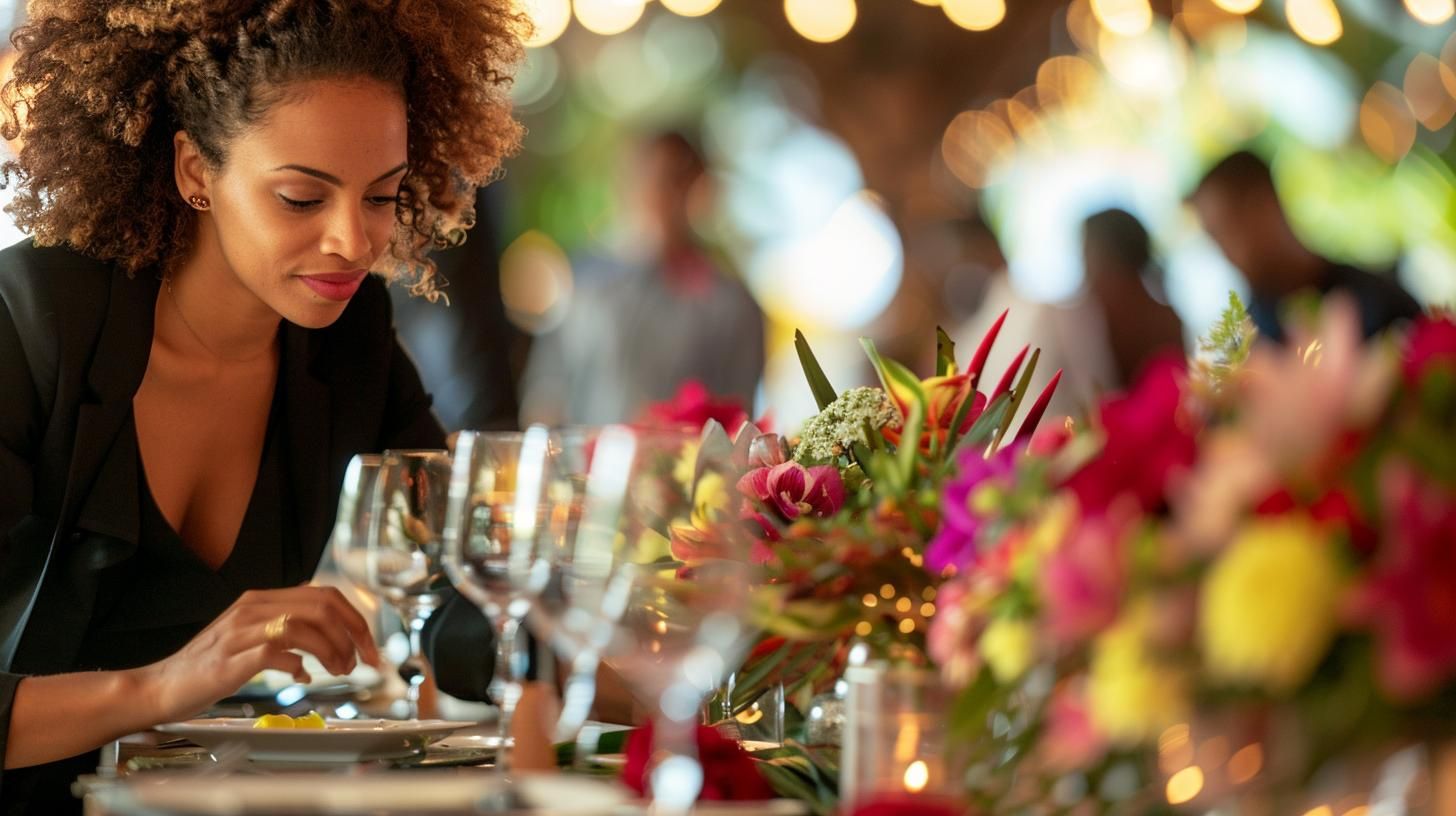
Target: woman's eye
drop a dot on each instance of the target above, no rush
(297, 205)
(384, 201)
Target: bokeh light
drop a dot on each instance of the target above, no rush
(975, 15)
(1064, 80)
(1425, 89)
(608, 17)
(536, 282)
(821, 21)
(974, 144)
(1184, 786)
(1386, 122)
(1127, 18)
(1315, 21)
(691, 8)
(549, 19)
(1238, 6)
(1082, 25)
(1431, 12)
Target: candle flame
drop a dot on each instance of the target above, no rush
(916, 776)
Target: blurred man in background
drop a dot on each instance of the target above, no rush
(1127, 286)
(662, 313)
(1240, 209)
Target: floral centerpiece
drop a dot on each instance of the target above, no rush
(1230, 578)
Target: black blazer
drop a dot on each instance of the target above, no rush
(75, 336)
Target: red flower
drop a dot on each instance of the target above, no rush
(1150, 441)
(1410, 601)
(692, 406)
(729, 773)
(792, 490)
(1431, 343)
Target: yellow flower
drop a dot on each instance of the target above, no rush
(711, 501)
(1008, 647)
(1267, 612)
(685, 467)
(1044, 536)
(1134, 696)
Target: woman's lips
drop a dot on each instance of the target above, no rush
(336, 285)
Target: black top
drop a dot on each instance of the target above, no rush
(152, 604)
(75, 337)
(1382, 301)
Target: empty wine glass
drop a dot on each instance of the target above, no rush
(394, 546)
(587, 480)
(657, 579)
(496, 525)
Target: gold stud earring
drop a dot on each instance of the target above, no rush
(198, 202)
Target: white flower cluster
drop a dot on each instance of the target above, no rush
(830, 433)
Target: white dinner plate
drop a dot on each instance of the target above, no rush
(341, 741)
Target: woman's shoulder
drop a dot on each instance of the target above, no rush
(54, 280)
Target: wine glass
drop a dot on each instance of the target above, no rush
(394, 546)
(655, 576)
(587, 480)
(496, 525)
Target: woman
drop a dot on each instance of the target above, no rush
(192, 350)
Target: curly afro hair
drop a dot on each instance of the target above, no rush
(101, 87)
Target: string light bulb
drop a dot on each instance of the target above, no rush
(1431, 12)
(821, 21)
(691, 8)
(975, 15)
(549, 19)
(1238, 6)
(1317, 22)
(608, 17)
(1126, 18)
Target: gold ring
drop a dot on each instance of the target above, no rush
(276, 627)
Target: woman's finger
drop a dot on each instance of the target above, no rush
(310, 630)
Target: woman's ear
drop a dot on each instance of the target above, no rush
(189, 168)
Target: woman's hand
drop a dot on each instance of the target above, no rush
(259, 631)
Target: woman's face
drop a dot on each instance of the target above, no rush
(305, 203)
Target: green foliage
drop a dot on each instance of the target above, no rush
(1227, 345)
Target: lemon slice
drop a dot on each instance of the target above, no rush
(274, 721)
(310, 720)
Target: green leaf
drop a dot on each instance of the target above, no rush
(987, 424)
(944, 353)
(1019, 395)
(824, 393)
(761, 670)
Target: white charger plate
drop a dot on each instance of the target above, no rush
(341, 741)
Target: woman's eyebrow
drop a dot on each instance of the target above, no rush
(331, 178)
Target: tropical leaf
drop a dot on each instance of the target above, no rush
(985, 427)
(824, 393)
(1016, 398)
(945, 361)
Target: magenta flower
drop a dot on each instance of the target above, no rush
(955, 542)
(1410, 600)
(792, 490)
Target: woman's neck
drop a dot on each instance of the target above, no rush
(205, 313)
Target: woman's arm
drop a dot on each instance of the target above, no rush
(66, 714)
(59, 716)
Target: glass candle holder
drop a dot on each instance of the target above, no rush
(896, 738)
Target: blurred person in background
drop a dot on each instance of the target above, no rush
(1071, 337)
(663, 313)
(1127, 285)
(1240, 209)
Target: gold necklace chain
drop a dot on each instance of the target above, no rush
(177, 306)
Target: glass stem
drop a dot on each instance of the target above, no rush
(676, 778)
(412, 670)
(509, 688)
